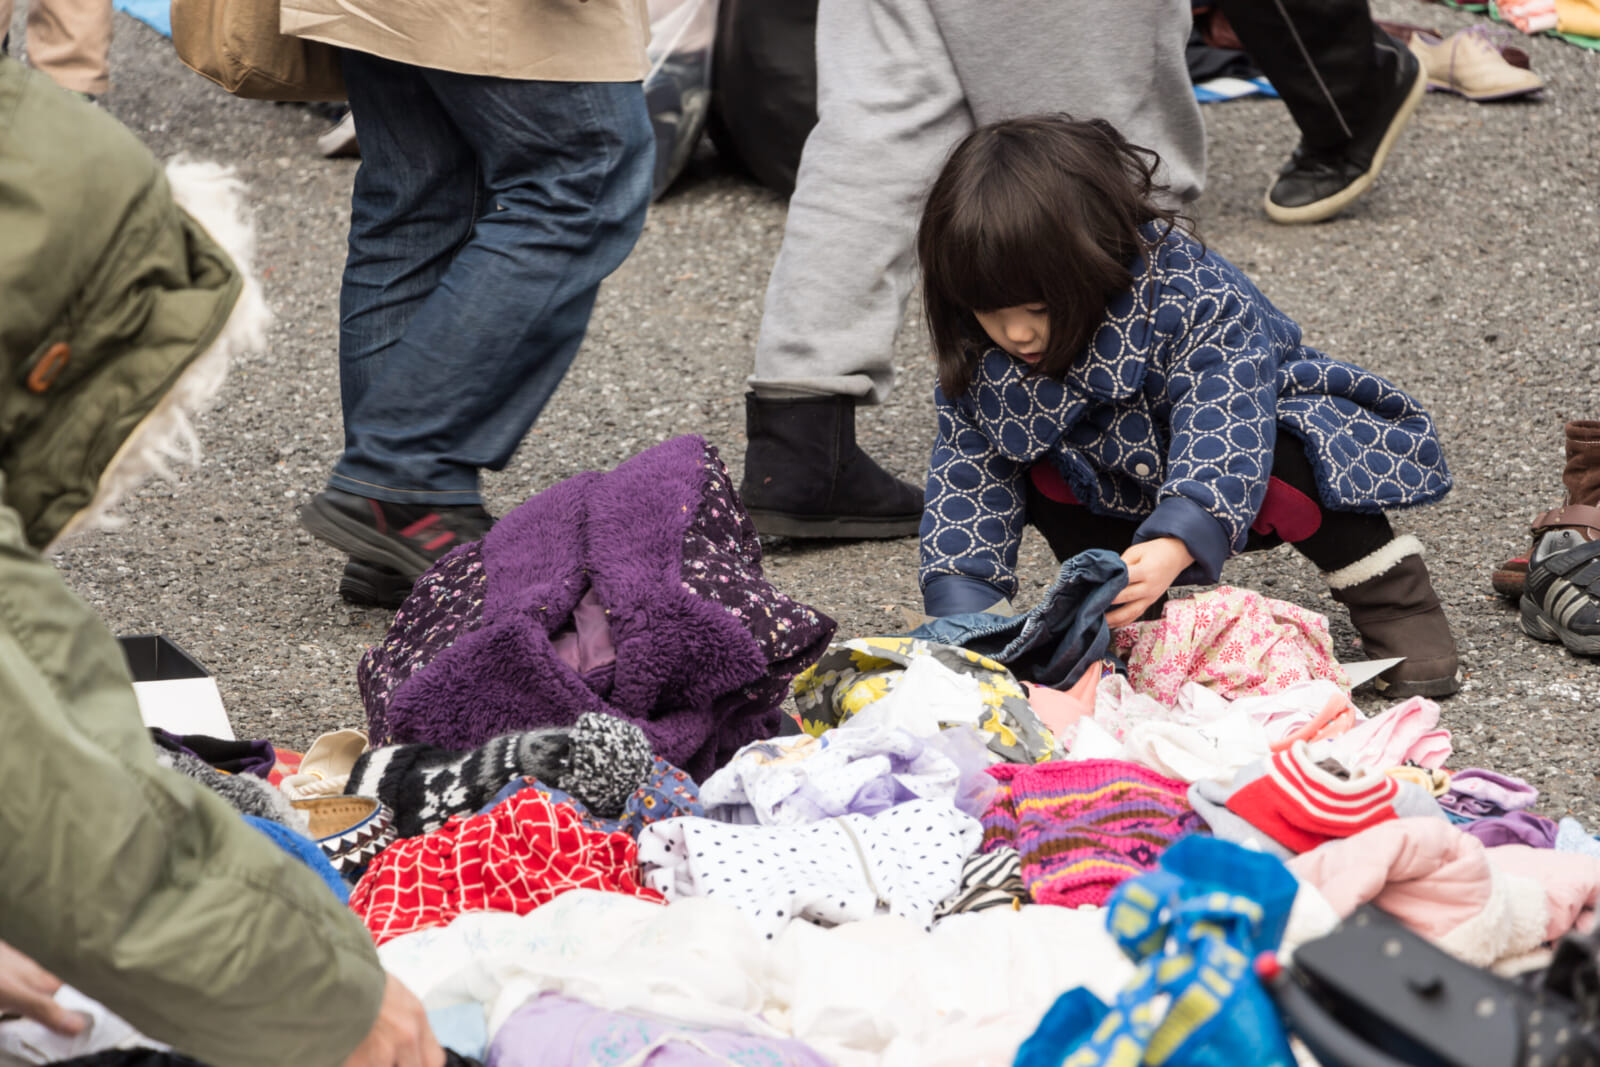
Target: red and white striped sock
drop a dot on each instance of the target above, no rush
(1300, 805)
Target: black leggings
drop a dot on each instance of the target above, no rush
(1342, 538)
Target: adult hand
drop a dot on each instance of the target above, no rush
(1152, 566)
(29, 990)
(401, 1036)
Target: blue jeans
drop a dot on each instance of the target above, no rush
(1064, 635)
(485, 214)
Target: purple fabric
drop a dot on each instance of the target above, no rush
(554, 1031)
(1476, 793)
(705, 648)
(445, 603)
(585, 645)
(230, 757)
(1514, 828)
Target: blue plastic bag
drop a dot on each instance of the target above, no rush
(1194, 926)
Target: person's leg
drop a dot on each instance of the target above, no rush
(1349, 86)
(1379, 577)
(890, 108)
(1071, 528)
(412, 207)
(566, 169)
(415, 199)
(70, 40)
(1118, 60)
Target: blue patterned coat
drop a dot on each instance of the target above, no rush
(1171, 418)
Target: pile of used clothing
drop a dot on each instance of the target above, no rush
(581, 826)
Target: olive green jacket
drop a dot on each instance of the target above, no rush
(128, 881)
(107, 293)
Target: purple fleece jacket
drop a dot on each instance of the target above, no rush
(705, 647)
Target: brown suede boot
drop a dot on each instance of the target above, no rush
(1581, 514)
(1397, 613)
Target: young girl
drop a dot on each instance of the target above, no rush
(1106, 378)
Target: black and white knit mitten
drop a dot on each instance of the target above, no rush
(600, 760)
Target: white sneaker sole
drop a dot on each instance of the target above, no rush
(1330, 206)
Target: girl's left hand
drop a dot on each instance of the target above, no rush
(1152, 566)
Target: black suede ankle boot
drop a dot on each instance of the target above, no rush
(805, 476)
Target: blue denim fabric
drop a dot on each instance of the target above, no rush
(1059, 639)
(485, 214)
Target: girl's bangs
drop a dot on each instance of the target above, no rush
(982, 264)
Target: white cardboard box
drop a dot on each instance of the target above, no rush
(175, 692)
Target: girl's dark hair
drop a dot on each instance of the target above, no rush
(1040, 210)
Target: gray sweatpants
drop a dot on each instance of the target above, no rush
(899, 82)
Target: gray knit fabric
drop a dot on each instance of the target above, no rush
(247, 793)
(601, 760)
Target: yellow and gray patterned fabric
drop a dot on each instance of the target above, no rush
(853, 674)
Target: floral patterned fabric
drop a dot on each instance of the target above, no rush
(853, 674)
(720, 552)
(666, 794)
(446, 602)
(1232, 641)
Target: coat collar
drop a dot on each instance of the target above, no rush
(1032, 411)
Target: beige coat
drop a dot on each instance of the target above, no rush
(529, 40)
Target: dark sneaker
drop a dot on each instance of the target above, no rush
(1315, 185)
(406, 538)
(1562, 601)
(372, 585)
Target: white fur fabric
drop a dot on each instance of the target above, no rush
(214, 198)
(1382, 561)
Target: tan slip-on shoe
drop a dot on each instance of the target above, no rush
(1468, 63)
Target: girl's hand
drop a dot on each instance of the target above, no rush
(1152, 566)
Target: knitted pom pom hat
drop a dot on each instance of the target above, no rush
(600, 759)
(1082, 827)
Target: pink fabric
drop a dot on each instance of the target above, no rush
(1440, 882)
(1403, 732)
(585, 644)
(1337, 716)
(1060, 710)
(1287, 512)
(1423, 871)
(1048, 481)
(1571, 882)
(1232, 641)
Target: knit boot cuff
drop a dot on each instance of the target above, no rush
(1378, 563)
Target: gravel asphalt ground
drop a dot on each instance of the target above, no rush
(1468, 276)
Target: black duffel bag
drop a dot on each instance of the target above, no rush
(764, 86)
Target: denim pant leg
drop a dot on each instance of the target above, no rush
(415, 198)
(566, 170)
